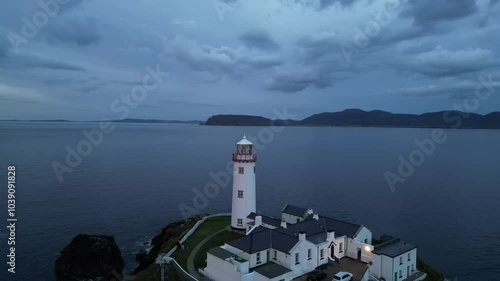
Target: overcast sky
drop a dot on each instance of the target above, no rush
(246, 56)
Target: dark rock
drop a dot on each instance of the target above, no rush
(90, 257)
(163, 242)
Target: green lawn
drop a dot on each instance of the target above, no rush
(218, 240)
(209, 226)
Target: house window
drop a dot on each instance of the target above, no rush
(258, 257)
(275, 254)
(240, 193)
(409, 257)
(309, 254)
(400, 261)
(321, 254)
(297, 258)
(341, 248)
(239, 222)
(241, 170)
(366, 240)
(400, 273)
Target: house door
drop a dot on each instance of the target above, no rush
(408, 271)
(395, 276)
(332, 252)
(359, 254)
(268, 256)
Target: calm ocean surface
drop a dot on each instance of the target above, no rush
(132, 184)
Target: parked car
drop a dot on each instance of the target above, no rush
(342, 276)
(316, 275)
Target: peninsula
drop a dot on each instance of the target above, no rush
(374, 118)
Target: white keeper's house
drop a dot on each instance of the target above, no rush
(300, 241)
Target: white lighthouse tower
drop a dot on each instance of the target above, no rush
(244, 197)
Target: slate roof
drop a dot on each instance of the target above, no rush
(284, 239)
(260, 229)
(271, 270)
(220, 253)
(314, 227)
(393, 248)
(342, 227)
(294, 210)
(263, 240)
(265, 219)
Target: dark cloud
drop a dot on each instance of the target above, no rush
(323, 4)
(4, 43)
(429, 12)
(317, 46)
(260, 39)
(457, 90)
(38, 62)
(494, 2)
(185, 103)
(442, 62)
(202, 57)
(82, 32)
(298, 80)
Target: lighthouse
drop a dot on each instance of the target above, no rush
(244, 197)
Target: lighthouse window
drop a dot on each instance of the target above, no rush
(254, 170)
(240, 170)
(239, 222)
(240, 193)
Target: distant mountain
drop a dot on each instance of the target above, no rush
(374, 118)
(238, 120)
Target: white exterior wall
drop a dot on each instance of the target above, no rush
(242, 207)
(341, 252)
(290, 218)
(253, 259)
(375, 268)
(221, 270)
(281, 258)
(306, 265)
(363, 234)
(387, 266)
(384, 266)
(405, 264)
(352, 249)
(323, 246)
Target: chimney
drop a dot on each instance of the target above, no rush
(302, 235)
(283, 224)
(315, 216)
(330, 235)
(258, 220)
(309, 211)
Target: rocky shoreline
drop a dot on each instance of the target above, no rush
(164, 242)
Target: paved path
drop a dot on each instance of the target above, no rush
(190, 261)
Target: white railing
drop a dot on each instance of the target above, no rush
(166, 258)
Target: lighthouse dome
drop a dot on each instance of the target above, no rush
(244, 141)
